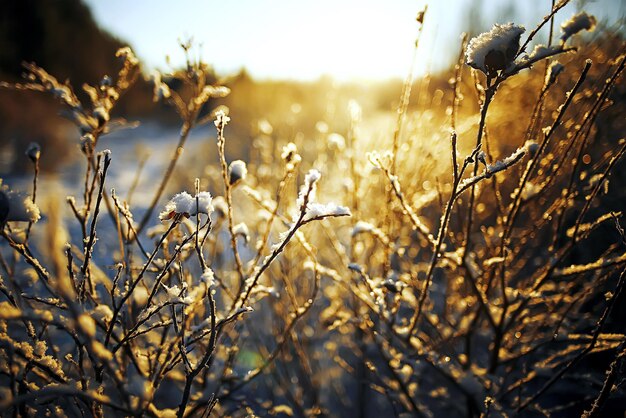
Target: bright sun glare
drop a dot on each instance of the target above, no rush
(276, 39)
(347, 39)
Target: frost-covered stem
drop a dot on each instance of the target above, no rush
(404, 100)
(516, 203)
(221, 141)
(455, 163)
(297, 314)
(274, 254)
(34, 198)
(70, 267)
(270, 221)
(456, 84)
(159, 279)
(415, 407)
(7, 293)
(514, 210)
(78, 216)
(184, 133)
(86, 198)
(437, 248)
(131, 228)
(537, 112)
(105, 196)
(418, 225)
(589, 119)
(457, 189)
(85, 270)
(56, 392)
(199, 244)
(594, 339)
(205, 359)
(609, 382)
(545, 20)
(590, 198)
(487, 173)
(489, 95)
(533, 60)
(191, 375)
(135, 182)
(24, 251)
(133, 332)
(354, 174)
(279, 249)
(134, 284)
(403, 105)
(551, 33)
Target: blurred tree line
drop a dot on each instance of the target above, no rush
(62, 37)
(59, 35)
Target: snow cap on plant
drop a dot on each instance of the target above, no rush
(577, 23)
(237, 171)
(101, 114)
(221, 207)
(290, 151)
(221, 118)
(314, 210)
(361, 227)
(241, 229)
(161, 90)
(355, 110)
(185, 204)
(203, 203)
(290, 156)
(208, 277)
(127, 55)
(336, 141)
(33, 152)
(494, 50)
(554, 70)
(17, 207)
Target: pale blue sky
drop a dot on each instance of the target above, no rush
(303, 39)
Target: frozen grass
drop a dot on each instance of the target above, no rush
(455, 274)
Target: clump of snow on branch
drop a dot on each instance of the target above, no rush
(237, 172)
(578, 22)
(314, 210)
(185, 204)
(496, 49)
(17, 207)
